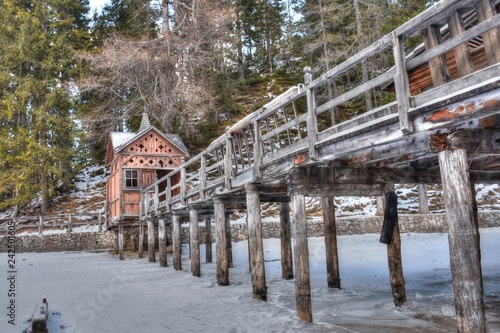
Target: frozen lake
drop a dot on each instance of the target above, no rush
(95, 292)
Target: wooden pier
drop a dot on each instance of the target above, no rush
(447, 131)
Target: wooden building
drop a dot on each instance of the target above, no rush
(135, 161)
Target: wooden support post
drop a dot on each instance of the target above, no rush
(208, 240)
(331, 251)
(463, 238)
(162, 238)
(194, 241)
(228, 240)
(286, 242)
(99, 223)
(141, 241)
(485, 9)
(256, 244)
(380, 206)
(121, 243)
(390, 236)
(116, 246)
(70, 223)
(151, 241)
(176, 242)
(40, 225)
(221, 256)
(301, 258)
(423, 200)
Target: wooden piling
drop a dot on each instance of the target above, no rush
(141, 241)
(286, 242)
(463, 239)
(221, 256)
(228, 240)
(256, 244)
(423, 200)
(331, 251)
(194, 243)
(301, 258)
(151, 241)
(176, 242)
(208, 240)
(121, 243)
(162, 237)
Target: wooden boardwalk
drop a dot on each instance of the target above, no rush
(292, 148)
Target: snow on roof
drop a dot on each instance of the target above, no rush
(120, 138)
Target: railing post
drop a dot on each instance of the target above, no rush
(203, 176)
(312, 124)
(228, 168)
(168, 194)
(257, 147)
(401, 84)
(156, 198)
(40, 225)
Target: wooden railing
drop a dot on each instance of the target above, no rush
(300, 121)
(53, 222)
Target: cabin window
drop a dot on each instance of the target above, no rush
(131, 179)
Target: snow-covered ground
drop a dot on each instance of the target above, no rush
(95, 292)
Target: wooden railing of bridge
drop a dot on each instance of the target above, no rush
(297, 125)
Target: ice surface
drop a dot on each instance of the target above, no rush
(95, 292)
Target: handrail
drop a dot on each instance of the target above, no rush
(294, 122)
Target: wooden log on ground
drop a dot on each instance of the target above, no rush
(194, 242)
(162, 237)
(176, 242)
(301, 258)
(221, 256)
(141, 241)
(151, 241)
(121, 243)
(40, 317)
(331, 250)
(463, 238)
(286, 242)
(256, 245)
(208, 240)
(390, 236)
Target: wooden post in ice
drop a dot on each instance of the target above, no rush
(208, 240)
(120, 242)
(286, 242)
(331, 251)
(151, 240)
(301, 258)
(39, 319)
(194, 242)
(176, 242)
(463, 239)
(141, 241)
(228, 240)
(256, 245)
(162, 238)
(390, 236)
(221, 256)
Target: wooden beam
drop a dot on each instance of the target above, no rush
(256, 245)
(162, 238)
(194, 242)
(176, 242)
(208, 240)
(463, 238)
(221, 256)
(151, 240)
(331, 250)
(286, 242)
(301, 258)
(476, 142)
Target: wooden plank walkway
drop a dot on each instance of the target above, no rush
(291, 148)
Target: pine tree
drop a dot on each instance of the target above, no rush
(37, 73)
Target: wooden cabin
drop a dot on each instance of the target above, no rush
(135, 161)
